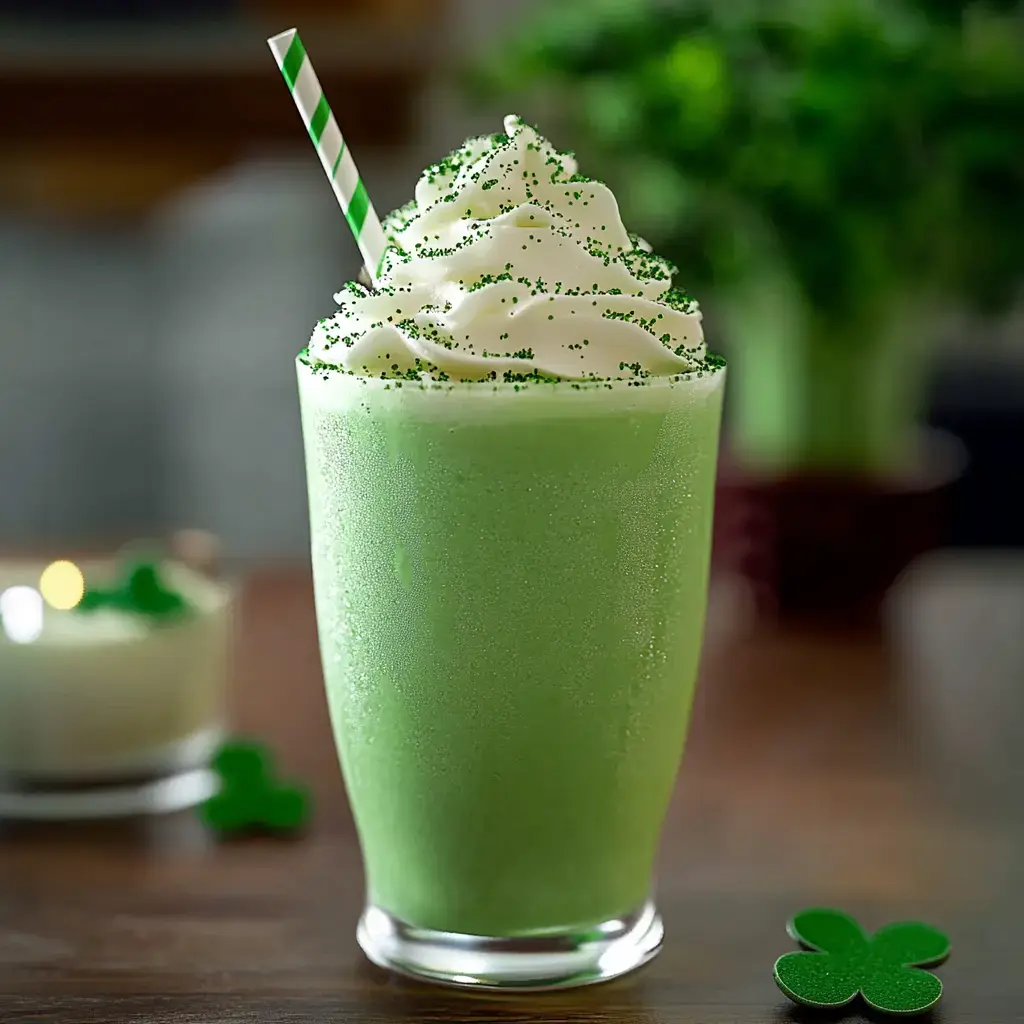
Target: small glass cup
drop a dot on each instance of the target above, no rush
(104, 716)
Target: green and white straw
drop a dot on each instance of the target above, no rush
(337, 162)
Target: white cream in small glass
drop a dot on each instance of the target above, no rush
(106, 696)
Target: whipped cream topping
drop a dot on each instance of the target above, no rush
(510, 266)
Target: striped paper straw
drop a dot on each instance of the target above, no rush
(337, 162)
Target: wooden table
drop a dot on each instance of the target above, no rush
(813, 777)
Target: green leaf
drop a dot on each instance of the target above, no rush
(695, 65)
(656, 196)
(141, 592)
(902, 990)
(249, 797)
(242, 761)
(828, 930)
(147, 594)
(816, 979)
(608, 108)
(910, 943)
(285, 809)
(225, 813)
(93, 599)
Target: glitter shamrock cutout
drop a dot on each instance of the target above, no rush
(250, 799)
(844, 963)
(142, 591)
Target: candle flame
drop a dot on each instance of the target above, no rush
(62, 585)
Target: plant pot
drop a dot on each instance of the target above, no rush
(828, 546)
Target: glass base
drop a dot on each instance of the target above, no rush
(172, 778)
(551, 960)
(175, 792)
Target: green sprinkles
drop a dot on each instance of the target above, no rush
(502, 161)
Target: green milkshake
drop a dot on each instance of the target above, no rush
(511, 449)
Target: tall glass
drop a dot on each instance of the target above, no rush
(510, 586)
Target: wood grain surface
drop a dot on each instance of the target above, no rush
(878, 772)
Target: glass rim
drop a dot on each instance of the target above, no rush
(326, 373)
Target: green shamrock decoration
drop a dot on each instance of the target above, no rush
(845, 963)
(249, 798)
(141, 592)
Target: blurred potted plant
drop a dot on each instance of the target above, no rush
(833, 178)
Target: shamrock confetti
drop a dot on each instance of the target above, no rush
(249, 797)
(142, 592)
(845, 963)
